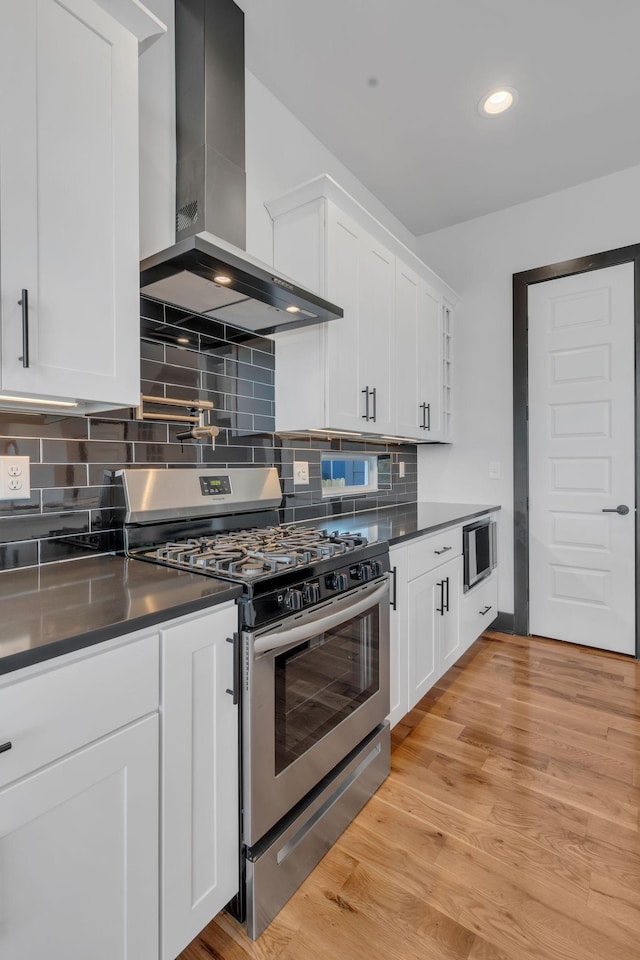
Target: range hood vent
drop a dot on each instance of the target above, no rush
(207, 271)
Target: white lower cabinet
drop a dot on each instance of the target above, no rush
(434, 626)
(199, 780)
(432, 622)
(398, 634)
(79, 834)
(479, 610)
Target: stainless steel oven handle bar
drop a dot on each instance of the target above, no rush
(285, 635)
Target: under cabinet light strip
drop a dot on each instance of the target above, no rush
(41, 403)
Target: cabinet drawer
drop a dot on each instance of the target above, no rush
(48, 715)
(428, 553)
(475, 615)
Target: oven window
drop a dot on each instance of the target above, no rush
(322, 681)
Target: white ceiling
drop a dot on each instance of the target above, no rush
(415, 139)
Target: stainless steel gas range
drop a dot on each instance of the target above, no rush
(313, 651)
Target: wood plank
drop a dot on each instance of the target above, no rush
(578, 796)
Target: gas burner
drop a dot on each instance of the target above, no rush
(258, 552)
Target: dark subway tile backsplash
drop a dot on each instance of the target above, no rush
(185, 357)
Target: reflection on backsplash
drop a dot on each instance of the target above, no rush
(182, 356)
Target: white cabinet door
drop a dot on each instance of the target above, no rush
(407, 310)
(398, 635)
(376, 321)
(424, 597)
(434, 626)
(418, 357)
(429, 364)
(361, 279)
(79, 853)
(345, 407)
(68, 202)
(199, 782)
(449, 642)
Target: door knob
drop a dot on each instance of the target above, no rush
(622, 509)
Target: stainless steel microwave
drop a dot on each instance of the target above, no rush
(479, 551)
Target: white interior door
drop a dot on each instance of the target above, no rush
(582, 459)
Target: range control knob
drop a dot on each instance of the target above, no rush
(311, 592)
(338, 581)
(363, 571)
(293, 600)
(376, 568)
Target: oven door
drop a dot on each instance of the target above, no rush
(315, 686)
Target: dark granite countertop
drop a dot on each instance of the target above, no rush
(60, 607)
(403, 522)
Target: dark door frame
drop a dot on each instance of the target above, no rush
(521, 283)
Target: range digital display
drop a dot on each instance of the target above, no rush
(215, 486)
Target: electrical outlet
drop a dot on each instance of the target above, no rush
(15, 478)
(494, 470)
(401, 469)
(300, 472)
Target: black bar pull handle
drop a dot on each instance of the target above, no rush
(365, 415)
(428, 409)
(440, 609)
(5, 746)
(237, 663)
(375, 404)
(24, 303)
(444, 550)
(394, 595)
(622, 509)
(447, 582)
(486, 610)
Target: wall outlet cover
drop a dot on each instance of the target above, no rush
(15, 478)
(300, 472)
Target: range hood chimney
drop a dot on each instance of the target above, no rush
(208, 271)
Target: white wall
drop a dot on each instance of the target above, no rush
(478, 259)
(281, 154)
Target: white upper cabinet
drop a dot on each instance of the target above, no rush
(69, 204)
(360, 279)
(418, 382)
(379, 369)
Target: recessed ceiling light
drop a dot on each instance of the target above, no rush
(221, 278)
(183, 340)
(497, 101)
(293, 309)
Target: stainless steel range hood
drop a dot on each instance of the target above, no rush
(207, 271)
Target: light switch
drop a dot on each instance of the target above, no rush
(15, 478)
(300, 472)
(494, 470)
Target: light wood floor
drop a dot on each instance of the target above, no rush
(507, 829)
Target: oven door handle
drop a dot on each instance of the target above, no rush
(288, 636)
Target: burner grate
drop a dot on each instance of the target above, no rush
(252, 553)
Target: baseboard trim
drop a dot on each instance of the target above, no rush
(504, 622)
